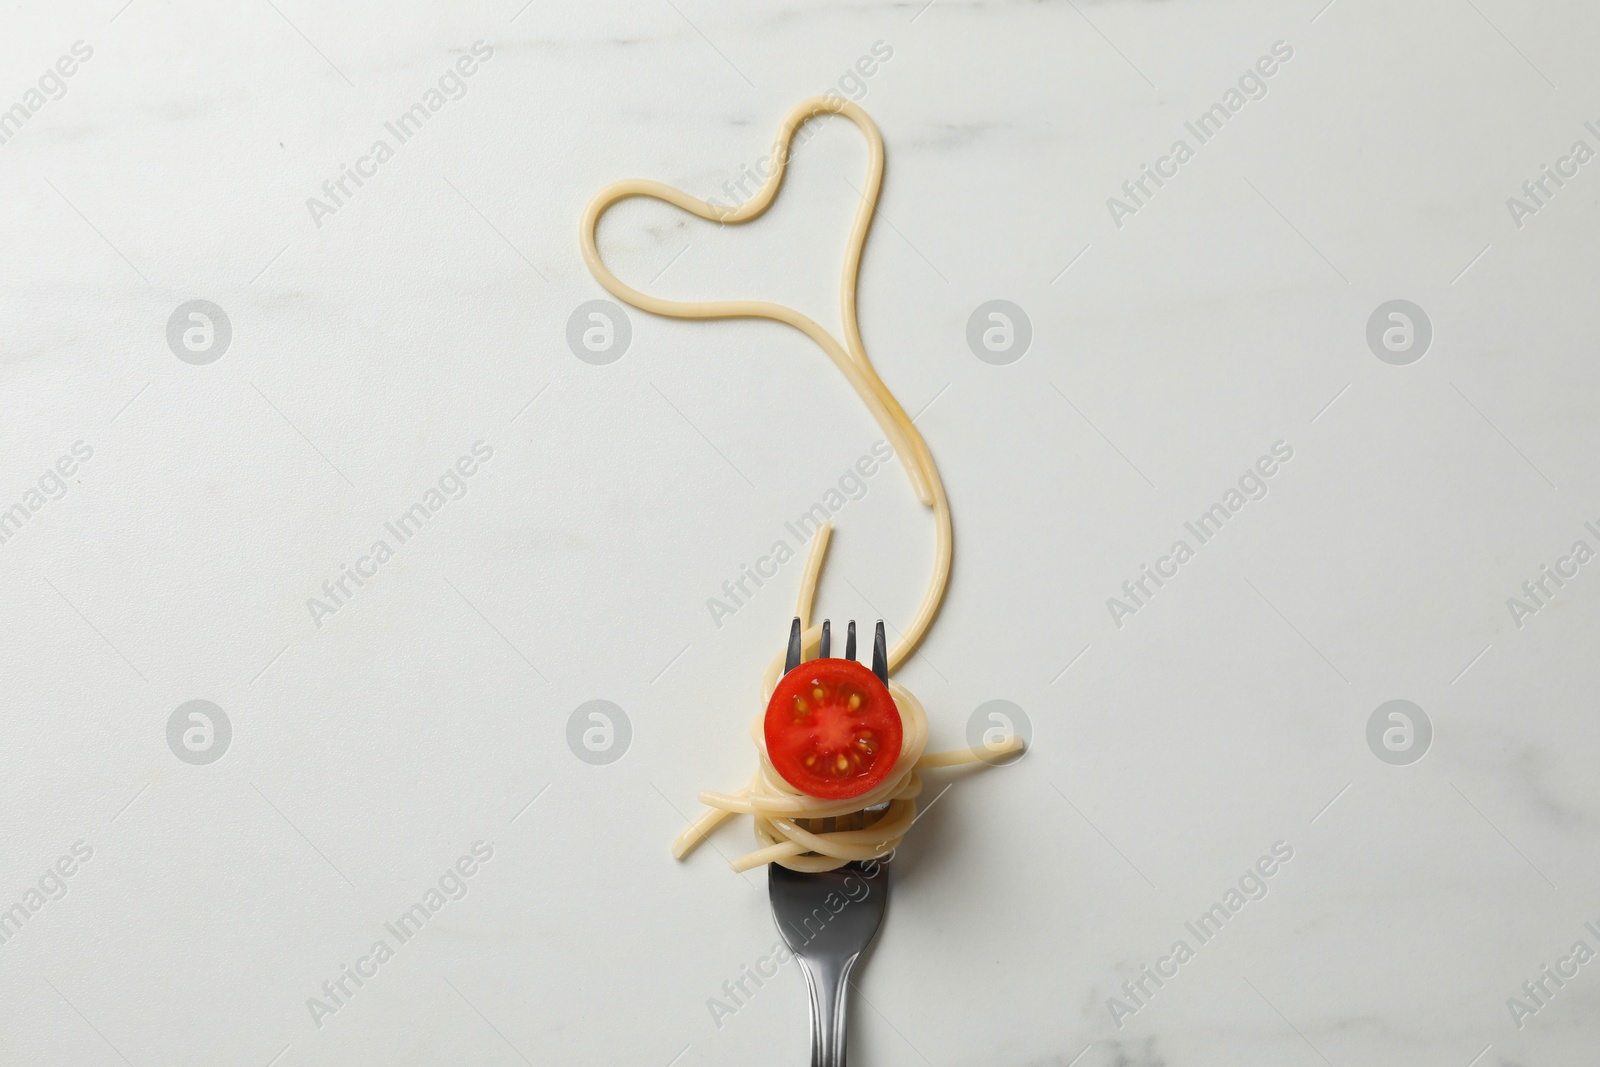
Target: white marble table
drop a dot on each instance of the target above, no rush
(186, 514)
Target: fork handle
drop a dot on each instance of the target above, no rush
(828, 982)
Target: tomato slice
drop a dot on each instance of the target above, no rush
(832, 729)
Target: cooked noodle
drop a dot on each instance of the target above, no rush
(796, 830)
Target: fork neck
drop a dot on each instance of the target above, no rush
(828, 980)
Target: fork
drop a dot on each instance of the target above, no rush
(827, 943)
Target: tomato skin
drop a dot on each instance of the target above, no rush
(820, 744)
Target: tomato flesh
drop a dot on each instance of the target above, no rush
(832, 729)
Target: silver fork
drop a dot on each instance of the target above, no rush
(828, 918)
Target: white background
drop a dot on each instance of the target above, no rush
(372, 350)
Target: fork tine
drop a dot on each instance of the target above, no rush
(880, 655)
(850, 641)
(792, 660)
(827, 640)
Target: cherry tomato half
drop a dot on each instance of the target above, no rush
(832, 729)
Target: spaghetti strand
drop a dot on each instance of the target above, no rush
(794, 829)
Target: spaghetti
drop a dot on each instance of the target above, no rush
(796, 830)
